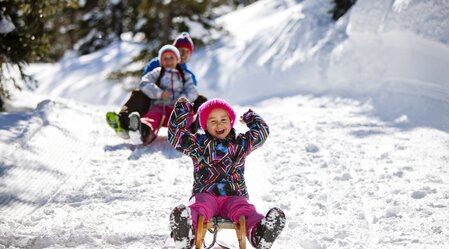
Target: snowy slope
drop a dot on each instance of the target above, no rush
(40, 145)
(344, 178)
(357, 155)
(85, 78)
(288, 47)
(380, 50)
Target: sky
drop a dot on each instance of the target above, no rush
(357, 155)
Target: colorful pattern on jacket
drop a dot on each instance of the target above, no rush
(219, 164)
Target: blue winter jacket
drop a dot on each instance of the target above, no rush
(153, 63)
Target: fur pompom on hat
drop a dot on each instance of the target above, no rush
(169, 49)
(206, 108)
(184, 41)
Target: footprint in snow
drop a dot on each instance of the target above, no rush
(312, 148)
(418, 194)
(344, 177)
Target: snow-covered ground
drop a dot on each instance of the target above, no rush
(357, 155)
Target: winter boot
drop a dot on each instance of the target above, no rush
(134, 128)
(139, 132)
(147, 134)
(263, 236)
(181, 227)
(113, 121)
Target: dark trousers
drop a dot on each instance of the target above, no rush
(137, 102)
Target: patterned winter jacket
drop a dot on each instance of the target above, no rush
(219, 164)
(172, 81)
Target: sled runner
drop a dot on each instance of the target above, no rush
(217, 223)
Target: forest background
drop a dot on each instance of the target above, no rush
(42, 31)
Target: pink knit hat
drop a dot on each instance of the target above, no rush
(206, 108)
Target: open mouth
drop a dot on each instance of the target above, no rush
(220, 132)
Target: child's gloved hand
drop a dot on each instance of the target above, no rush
(183, 105)
(247, 117)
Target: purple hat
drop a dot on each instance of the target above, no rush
(206, 108)
(169, 49)
(184, 41)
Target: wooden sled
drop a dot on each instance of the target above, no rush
(217, 223)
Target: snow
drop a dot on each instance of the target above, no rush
(357, 154)
(6, 25)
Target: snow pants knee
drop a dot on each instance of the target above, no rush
(228, 207)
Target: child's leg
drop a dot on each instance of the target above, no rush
(137, 102)
(153, 118)
(236, 206)
(203, 204)
(167, 112)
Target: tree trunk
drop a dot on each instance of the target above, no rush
(117, 16)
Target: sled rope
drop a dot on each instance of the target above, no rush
(214, 231)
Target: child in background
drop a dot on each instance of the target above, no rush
(139, 102)
(218, 157)
(164, 85)
(184, 44)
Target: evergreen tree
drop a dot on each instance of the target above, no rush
(102, 23)
(22, 38)
(63, 31)
(28, 27)
(161, 21)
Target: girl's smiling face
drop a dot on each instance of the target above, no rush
(169, 60)
(218, 123)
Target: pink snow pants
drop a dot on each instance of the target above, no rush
(153, 118)
(229, 207)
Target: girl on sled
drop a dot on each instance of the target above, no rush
(218, 157)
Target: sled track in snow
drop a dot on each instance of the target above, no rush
(27, 160)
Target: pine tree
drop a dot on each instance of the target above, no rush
(28, 27)
(102, 23)
(22, 39)
(161, 21)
